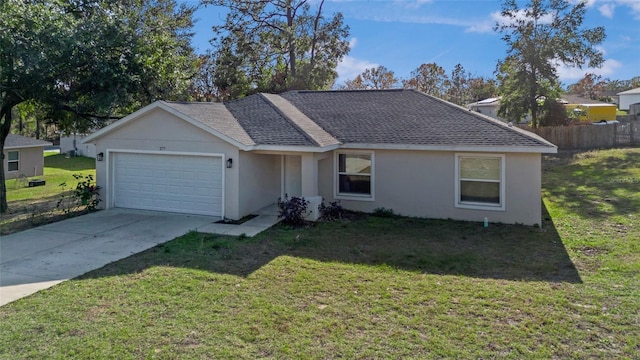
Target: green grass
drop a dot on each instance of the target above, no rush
(34, 206)
(370, 287)
(57, 170)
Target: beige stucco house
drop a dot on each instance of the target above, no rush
(397, 149)
(23, 156)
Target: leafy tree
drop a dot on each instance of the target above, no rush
(378, 78)
(623, 85)
(540, 36)
(459, 90)
(481, 88)
(553, 113)
(276, 45)
(203, 83)
(86, 62)
(590, 86)
(165, 60)
(428, 78)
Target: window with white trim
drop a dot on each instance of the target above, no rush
(354, 175)
(480, 181)
(13, 161)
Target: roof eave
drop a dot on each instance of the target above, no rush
(294, 148)
(26, 146)
(471, 148)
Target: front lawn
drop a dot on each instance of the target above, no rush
(32, 206)
(370, 287)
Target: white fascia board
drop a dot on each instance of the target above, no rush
(466, 148)
(294, 149)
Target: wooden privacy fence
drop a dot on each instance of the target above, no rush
(583, 137)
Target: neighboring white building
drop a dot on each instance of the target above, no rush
(629, 97)
(489, 107)
(73, 142)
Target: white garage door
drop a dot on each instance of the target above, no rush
(175, 183)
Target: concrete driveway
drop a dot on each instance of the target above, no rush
(39, 258)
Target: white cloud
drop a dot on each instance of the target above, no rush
(607, 10)
(589, 3)
(497, 18)
(414, 4)
(634, 5)
(351, 67)
(481, 27)
(601, 49)
(608, 6)
(572, 73)
(520, 15)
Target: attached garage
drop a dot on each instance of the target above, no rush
(182, 183)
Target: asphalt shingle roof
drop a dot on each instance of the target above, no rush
(265, 124)
(320, 119)
(14, 141)
(216, 116)
(404, 117)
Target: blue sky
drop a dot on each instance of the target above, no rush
(402, 34)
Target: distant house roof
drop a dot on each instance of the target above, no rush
(490, 102)
(630, 92)
(321, 120)
(14, 141)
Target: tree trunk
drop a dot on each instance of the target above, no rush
(5, 126)
(291, 40)
(314, 41)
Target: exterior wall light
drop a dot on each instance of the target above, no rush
(229, 163)
(100, 156)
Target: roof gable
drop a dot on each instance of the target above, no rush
(204, 123)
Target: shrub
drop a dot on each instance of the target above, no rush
(331, 212)
(85, 196)
(383, 212)
(87, 192)
(292, 210)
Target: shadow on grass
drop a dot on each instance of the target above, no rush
(593, 189)
(77, 163)
(505, 252)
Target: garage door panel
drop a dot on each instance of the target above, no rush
(176, 183)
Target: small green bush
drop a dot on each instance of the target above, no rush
(383, 212)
